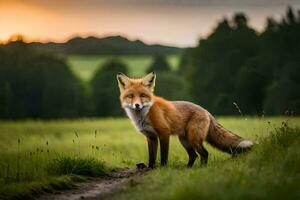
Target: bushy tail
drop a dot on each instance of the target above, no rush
(225, 140)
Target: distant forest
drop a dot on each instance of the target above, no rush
(234, 71)
(260, 72)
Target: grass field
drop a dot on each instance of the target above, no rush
(85, 66)
(30, 150)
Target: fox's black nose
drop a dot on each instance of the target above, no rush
(137, 106)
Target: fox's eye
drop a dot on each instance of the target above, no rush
(130, 96)
(143, 95)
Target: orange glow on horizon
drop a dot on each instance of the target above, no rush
(37, 23)
(179, 25)
(17, 17)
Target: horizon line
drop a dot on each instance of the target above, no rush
(14, 37)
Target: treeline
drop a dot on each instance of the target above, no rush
(41, 85)
(233, 67)
(259, 72)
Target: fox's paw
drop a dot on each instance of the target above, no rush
(151, 167)
(141, 166)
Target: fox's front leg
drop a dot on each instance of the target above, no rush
(152, 150)
(164, 149)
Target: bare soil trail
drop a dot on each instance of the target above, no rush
(99, 187)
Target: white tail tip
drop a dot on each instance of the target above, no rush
(245, 144)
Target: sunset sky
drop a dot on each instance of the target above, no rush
(174, 22)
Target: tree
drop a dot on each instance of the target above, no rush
(159, 64)
(250, 89)
(284, 93)
(171, 86)
(105, 89)
(234, 64)
(290, 16)
(216, 61)
(240, 20)
(37, 85)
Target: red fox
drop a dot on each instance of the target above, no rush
(158, 119)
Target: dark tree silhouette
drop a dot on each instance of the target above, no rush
(105, 89)
(37, 85)
(159, 64)
(235, 64)
(240, 20)
(171, 86)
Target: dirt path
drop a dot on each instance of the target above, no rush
(98, 188)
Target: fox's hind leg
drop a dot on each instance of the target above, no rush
(204, 155)
(191, 152)
(197, 130)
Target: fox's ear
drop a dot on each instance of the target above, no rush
(123, 81)
(149, 80)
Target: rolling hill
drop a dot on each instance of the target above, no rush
(112, 45)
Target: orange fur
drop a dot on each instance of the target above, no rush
(158, 119)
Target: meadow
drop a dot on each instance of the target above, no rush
(85, 66)
(43, 155)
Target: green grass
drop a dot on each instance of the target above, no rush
(86, 66)
(94, 146)
(77, 166)
(270, 171)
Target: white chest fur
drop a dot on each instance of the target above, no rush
(139, 119)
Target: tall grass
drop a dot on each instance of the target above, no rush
(64, 165)
(28, 167)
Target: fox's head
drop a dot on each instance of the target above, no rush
(136, 94)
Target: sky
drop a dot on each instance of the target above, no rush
(173, 22)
